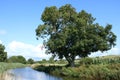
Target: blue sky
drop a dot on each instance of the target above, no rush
(20, 18)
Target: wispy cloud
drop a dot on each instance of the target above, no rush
(26, 50)
(3, 32)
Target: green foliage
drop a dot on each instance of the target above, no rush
(51, 59)
(3, 54)
(100, 60)
(17, 59)
(73, 33)
(86, 61)
(43, 61)
(6, 66)
(91, 72)
(99, 68)
(30, 61)
(61, 61)
(48, 68)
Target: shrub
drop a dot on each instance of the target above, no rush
(86, 61)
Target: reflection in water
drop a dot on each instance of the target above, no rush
(30, 74)
(8, 76)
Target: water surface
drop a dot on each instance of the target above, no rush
(30, 74)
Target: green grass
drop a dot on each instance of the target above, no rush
(91, 72)
(6, 66)
(99, 68)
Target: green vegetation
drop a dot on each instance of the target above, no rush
(6, 66)
(73, 33)
(17, 59)
(3, 54)
(91, 72)
(100, 60)
(99, 68)
(30, 61)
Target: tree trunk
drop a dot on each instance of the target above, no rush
(70, 61)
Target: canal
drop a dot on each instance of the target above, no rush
(28, 73)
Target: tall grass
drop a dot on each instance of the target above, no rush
(6, 66)
(4, 75)
(100, 60)
(9, 76)
(90, 72)
(99, 68)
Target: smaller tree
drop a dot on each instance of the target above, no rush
(21, 59)
(30, 61)
(43, 61)
(17, 59)
(3, 54)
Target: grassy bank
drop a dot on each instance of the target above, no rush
(103, 68)
(91, 72)
(6, 66)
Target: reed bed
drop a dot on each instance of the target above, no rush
(5, 74)
(5, 66)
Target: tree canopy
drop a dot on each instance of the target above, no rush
(3, 54)
(17, 59)
(73, 33)
(30, 61)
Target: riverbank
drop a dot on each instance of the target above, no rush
(6, 66)
(104, 68)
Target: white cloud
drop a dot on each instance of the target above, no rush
(0, 42)
(38, 52)
(113, 51)
(2, 32)
(26, 50)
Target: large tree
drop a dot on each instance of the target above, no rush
(69, 33)
(3, 54)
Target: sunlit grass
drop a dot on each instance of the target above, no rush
(6, 66)
(99, 68)
(4, 75)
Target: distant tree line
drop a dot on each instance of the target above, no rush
(20, 59)
(13, 59)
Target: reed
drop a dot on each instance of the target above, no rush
(4, 67)
(9, 76)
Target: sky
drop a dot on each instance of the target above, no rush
(20, 18)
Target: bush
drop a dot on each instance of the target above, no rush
(91, 72)
(86, 61)
(30, 61)
(17, 59)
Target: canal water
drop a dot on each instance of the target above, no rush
(28, 73)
